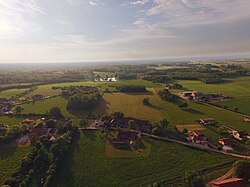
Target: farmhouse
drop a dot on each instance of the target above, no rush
(233, 182)
(207, 121)
(197, 137)
(241, 135)
(125, 138)
(247, 119)
(28, 121)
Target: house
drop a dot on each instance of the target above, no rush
(233, 182)
(197, 137)
(196, 95)
(125, 138)
(186, 94)
(140, 125)
(247, 119)
(215, 97)
(207, 121)
(226, 142)
(28, 122)
(241, 135)
(4, 100)
(40, 131)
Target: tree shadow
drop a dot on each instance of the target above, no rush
(7, 151)
(193, 111)
(65, 172)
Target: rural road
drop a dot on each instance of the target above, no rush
(196, 146)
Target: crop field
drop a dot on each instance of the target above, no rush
(11, 92)
(130, 105)
(10, 160)
(44, 90)
(142, 148)
(10, 120)
(86, 164)
(190, 127)
(243, 105)
(195, 111)
(236, 88)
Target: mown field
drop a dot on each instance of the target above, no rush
(243, 105)
(11, 92)
(10, 160)
(86, 164)
(236, 88)
(130, 105)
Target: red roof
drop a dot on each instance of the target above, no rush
(198, 133)
(237, 182)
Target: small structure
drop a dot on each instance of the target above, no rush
(233, 182)
(207, 121)
(226, 142)
(197, 137)
(247, 119)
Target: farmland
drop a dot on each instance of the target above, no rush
(236, 88)
(243, 105)
(11, 92)
(130, 105)
(9, 160)
(87, 164)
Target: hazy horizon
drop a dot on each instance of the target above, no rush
(101, 30)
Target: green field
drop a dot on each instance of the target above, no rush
(11, 120)
(242, 104)
(86, 164)
(236, 88)
(46, 90)
(10, 160)
(130, 105)
(11, 92)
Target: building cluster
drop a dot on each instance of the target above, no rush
(197, 96)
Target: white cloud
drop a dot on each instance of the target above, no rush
(93, 3)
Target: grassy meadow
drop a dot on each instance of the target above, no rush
(236, 88)
(243, 105)
(11, 92)
(8, 120)
(130, 105)
(86, 164)
(10, 159)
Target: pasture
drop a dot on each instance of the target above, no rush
(86, 164)
(10, 159)
(129, 104)
(236, 88)
(243, 105)
(44, 90)
(11, 92)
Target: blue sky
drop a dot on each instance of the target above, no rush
(101, 30)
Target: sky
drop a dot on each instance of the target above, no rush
(102, 30)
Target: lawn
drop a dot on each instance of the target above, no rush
(10, 160)
(242, 104)
(11, 92)
(86, 164)
(130, 105)
(236, 88)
